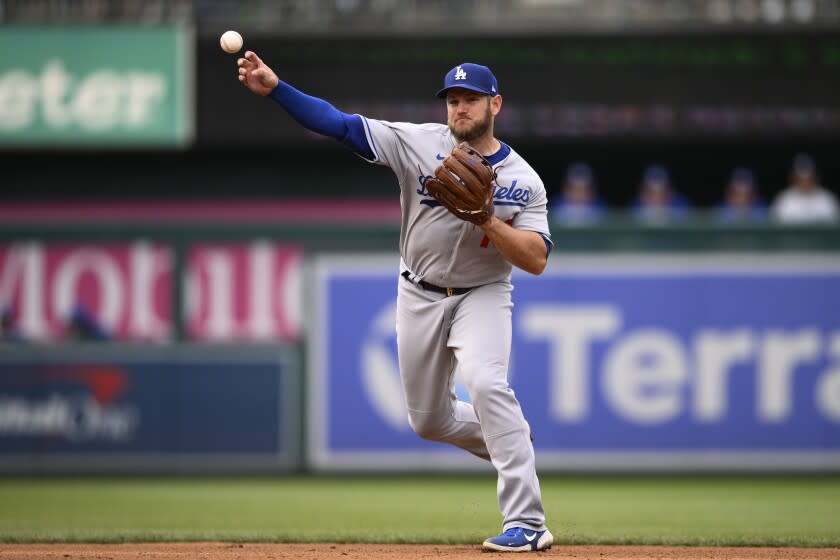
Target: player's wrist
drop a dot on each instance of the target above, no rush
(278, 92)
(490, 223)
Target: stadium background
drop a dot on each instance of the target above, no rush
(192, 284)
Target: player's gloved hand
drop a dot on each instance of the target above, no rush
(464, 184)
(256, 75)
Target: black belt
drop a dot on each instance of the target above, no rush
(432, 288)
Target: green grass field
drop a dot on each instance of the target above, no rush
(693, 511)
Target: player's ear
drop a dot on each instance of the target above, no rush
(495, 105)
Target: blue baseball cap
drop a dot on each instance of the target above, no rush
(803, 163)
(656, 174)
(470, 76)
(579, 170)
(742, 176)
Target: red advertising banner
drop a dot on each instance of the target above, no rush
(243, 291)
(116, 290)
(123, 291)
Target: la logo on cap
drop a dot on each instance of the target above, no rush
(460, 74)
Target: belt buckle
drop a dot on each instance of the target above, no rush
(448, 292)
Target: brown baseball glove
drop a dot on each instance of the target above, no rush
(464, 184)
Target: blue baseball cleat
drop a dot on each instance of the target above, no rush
(517, 539)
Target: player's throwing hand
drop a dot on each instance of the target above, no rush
(256, 75)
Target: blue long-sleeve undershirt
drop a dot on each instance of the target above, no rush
(322, 117)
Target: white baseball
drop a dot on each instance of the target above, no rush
(231, 41)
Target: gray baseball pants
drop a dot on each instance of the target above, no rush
(473, 330)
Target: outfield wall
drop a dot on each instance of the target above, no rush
(631, 363)
(640, 349)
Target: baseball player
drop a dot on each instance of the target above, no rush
(471, 208)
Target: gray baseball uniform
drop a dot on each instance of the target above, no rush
(472, 330)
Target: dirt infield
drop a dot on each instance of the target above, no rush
(222, 551)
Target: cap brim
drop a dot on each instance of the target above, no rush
(442, 93)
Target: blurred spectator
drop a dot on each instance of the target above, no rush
(579, 202)
(742, 202)
(805, 201)
(8, 329)
(657, 201)
(83, 326)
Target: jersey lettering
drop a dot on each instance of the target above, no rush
(422, 180)
(512, 194)
(504, 196)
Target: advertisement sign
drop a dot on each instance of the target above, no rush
(95, 86)
(243, 291)
(130, 408)
(701, 362)
(124, 291)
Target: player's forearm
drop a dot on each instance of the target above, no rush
(524, 249)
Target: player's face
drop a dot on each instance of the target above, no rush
(804, 180)
(469, 114)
